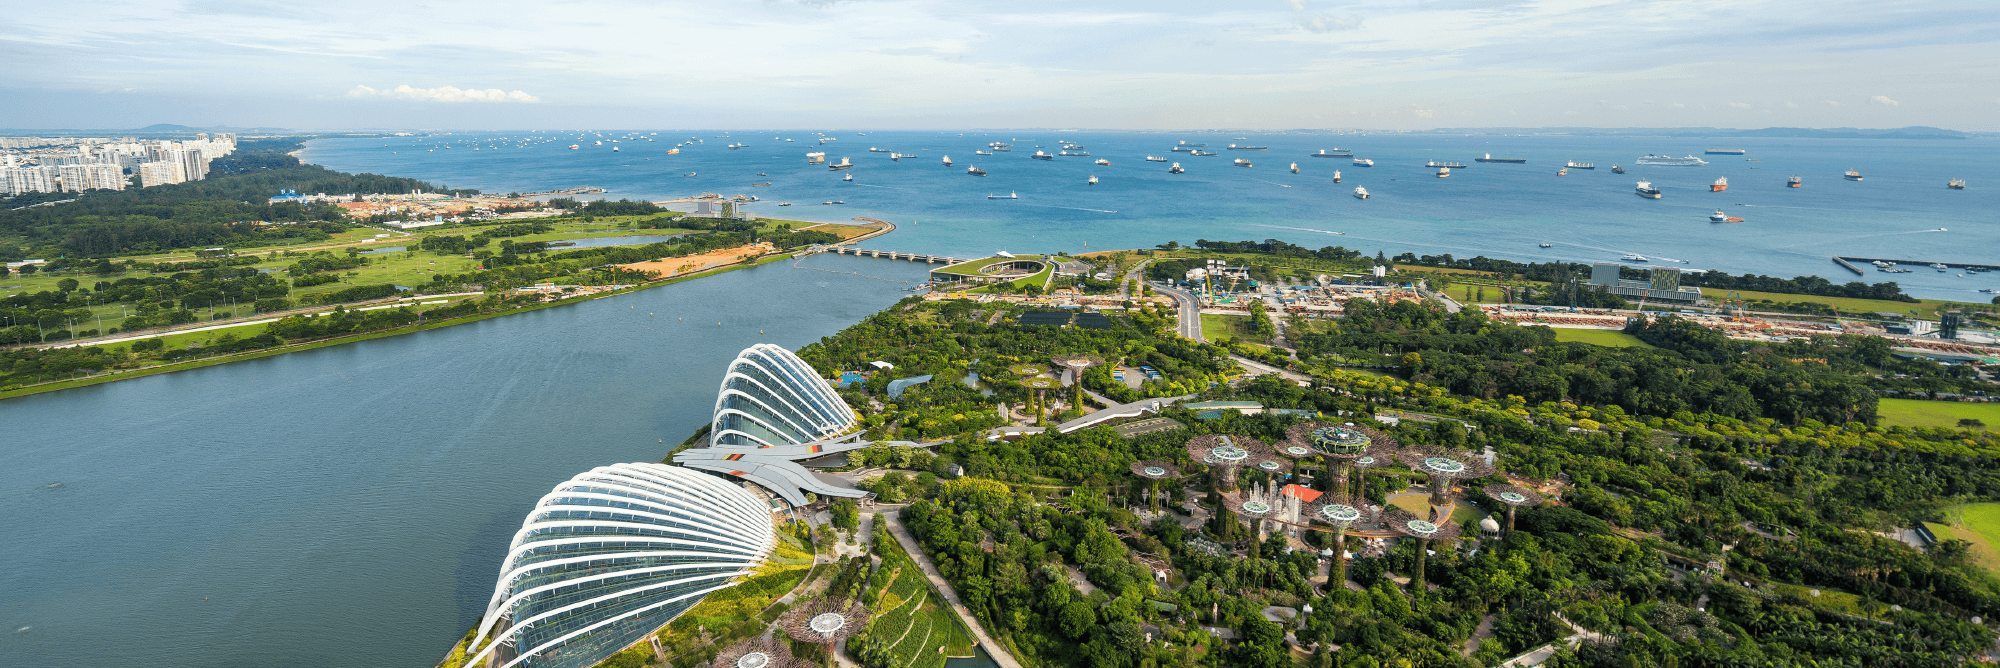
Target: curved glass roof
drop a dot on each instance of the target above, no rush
(770, 398)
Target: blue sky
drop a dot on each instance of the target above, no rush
(931, 64)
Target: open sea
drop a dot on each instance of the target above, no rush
(1901, 210)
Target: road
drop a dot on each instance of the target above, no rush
(1190, 311)
(999, 652)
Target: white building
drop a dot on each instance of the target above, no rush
(92, 177)
(30, 179)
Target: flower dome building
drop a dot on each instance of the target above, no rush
(612, 555)
(772, 398)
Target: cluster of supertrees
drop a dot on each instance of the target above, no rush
(819, 621)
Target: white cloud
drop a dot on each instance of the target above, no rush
(1883, 100)
(1791, 105)
(445, 94)
(1739, 105)
(1320, 23)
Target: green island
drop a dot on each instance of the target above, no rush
(163, 279)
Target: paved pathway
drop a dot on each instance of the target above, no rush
(1189, 309)
(998, 651)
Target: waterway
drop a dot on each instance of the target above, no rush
(1902, 208)
(348, 506)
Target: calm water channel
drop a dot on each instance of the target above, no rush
(348, 506)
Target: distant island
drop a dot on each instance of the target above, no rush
(1912, 132)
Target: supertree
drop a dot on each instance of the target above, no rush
(759, 652)
(1153, 472)
(1077, 364)
(1341, 512)
(1227, 453)
(1514, 496)
(1041, 386)
(1362, 464)
(1407, 523)
(1341, 444)
(1444, 465)
(823, 622)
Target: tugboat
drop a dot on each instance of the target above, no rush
(1617, 170)
(1721, 184)
(1444, 172)
(1547, 245)
(1335, 153)
(1176, 169)
(947, 161)
(1239, 162)
(1103, 163)
(1562, 172)
(1794, 182)
(975, 171)
(1295, 168)
(1852, 175)
(1336, 176)
(1718, 217)
(1647, 190)
(1042, 156)
(1955, 184)
(1093, 179)
(1360, 192)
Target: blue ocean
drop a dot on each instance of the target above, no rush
(1900, 210)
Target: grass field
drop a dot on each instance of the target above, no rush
(1214, 326)
(1976, 523)
(1602, 337)
(1920, 413)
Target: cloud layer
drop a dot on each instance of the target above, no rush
(445, 94)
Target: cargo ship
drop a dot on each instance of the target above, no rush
(1176, 169)
(1364, 162)
(978, 152)
(1617, 170)
(1852, 175)
(844, 164)
(1335, 153)
(872, 149)
(1181, 149)
(1445, 165)
(1670, 161)
(1093, 179)
(1512, 161)
(1184, 143)
(1955, 184)
(1360, 192)
(947, 161)
(1721, 184)
(1336, 176)
(1042, 156)
(1239, 162)
(1647, 190)
(1155, 158)
(1103, 163)
(1234, 147)
(1580, 165)
(1295, 168)
(1077, 154)
(1795, 182)
(1444, 172)
(975, 170)
(1724, 151)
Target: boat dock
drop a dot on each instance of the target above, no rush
(1844, 261)
(1848, 265)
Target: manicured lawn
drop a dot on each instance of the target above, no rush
(1215, 326)
(1601, 337)
(1978, 524)
(1927, 308)
(1920, 413)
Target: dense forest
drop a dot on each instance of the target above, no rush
(1762, 458)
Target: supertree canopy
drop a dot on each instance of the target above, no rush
(1363, 463)
(1444, 465)
(1342, 444)
(1153, 472)
(760, 652)
(1264, 502)
(1408, 524)
(1227, 453)
(823, 621)
(1514, 496)
(1340, 512)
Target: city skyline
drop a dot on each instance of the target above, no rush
(917, 65)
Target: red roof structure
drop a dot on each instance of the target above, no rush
(1304, 494)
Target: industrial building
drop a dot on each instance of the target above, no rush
(1662, 284)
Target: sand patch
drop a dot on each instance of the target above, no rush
(692, 264)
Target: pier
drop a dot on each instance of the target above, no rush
(1845, 261)
(1849, 265)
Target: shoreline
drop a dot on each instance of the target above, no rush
(113, 376)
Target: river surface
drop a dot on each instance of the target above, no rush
(348, 506)
(1496, 210)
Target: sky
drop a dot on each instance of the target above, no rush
(919, 64)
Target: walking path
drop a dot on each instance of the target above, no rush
(909, 543)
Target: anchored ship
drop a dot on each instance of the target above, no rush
(1444, 172)
(1617, 170)
(1335, 153)
(978, 152)
(1647, 190)
(1955, 184)
(1234, 147)
(1093, 179)
(1042, 156)
(1852, 175)
(1579, 165)
(1176, 169)
(1009, 195)
(1103, 162)
(1512, 161)
(1295, 168)
(1336, 176)
(811, 158)
(1203, 153)
(1155, 158)
(1239, 162)
(1360, 192)
(1670, 161)
(1562, 172)
(1720, 217)
(1721, 184)
(848, 178)
(872, 149)
(975, 170)
(1724, 151)
(1446, 164)
(1181, 149)
(947, 161)
(1794, 182)
(1184, 143)
(844, 164)
(1364, 162)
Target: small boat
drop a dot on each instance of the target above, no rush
(1336, 176)
(1562, 172)
(1239, 162)
(733, 147)
(1955, 184)
(1647, 190)
(982, 153)
(574, 147)
(673, 151)
(1940, 266)
(975, 171)
(1852, 175)
(1794, 182)
(1447, 163)
(1295, 168)
(1360, 192)
(1176, 169)
(1720, 217)
(1102, 162)
(1721, 184)
(1617, 170)
(1154, 158)
(1335, 153)
(758, 185)
(1634, 257)
(784, 204)
(1547, 245)
(1042, 156)
(947, 161)
(848, 178)
(834, 202)
(1093, 179)
(872, 149)
(1364, 162)
(598, 143)
(1009, 195)
(614, 149)
(689, 174)
(762, 174)
(1444, 172)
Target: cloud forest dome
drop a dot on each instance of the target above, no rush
(770, 398)
(612, 554)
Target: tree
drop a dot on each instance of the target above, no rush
(67, 285)
(1077, 619)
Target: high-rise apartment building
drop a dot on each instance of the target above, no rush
(30, 179)
(92, 177)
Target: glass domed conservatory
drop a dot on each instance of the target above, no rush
(772, 398)
(613, 554)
